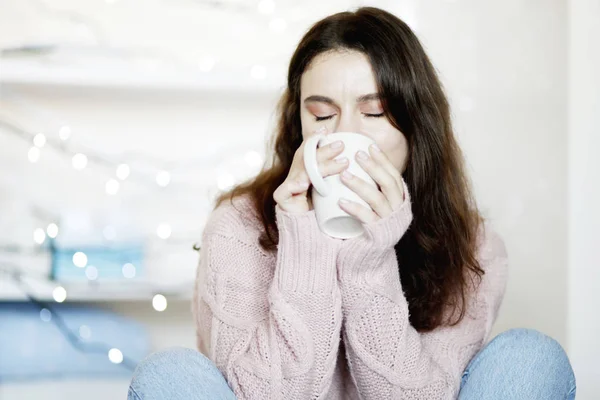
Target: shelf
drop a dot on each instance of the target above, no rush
(121, 75)
(93, 291)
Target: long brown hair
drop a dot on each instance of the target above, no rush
(440, 246)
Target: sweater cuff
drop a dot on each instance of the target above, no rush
(306, 258)
(363, 255)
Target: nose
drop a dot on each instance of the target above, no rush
(346, 124)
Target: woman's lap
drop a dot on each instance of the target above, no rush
(517, 364)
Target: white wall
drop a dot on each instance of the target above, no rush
(584, 195)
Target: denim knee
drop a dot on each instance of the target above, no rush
(539, 349)
(533, 345)
(521, 363)
(171, 360)
(178, 372)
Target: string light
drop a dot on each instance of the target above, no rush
(59, 294)
(80, 259)
(163, 178)
(52, 230)
(128, 271)
(258, 72)
(115, 356)
(39, 140)
(64, 132)
(159, 302)
(163, 231)
(39, 236)
(91, 273)
(266, 6)
(48, 313)
(277, 25)
(34, 154)
(112, 187)
(123, 171)
(79, 161)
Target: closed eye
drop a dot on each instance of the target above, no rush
(333, 115)
(324, 118)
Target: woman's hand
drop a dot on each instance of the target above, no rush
(383, 201)
(292, 194)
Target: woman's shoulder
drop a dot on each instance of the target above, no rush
(233, 216)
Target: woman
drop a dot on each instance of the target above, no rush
(403, 311)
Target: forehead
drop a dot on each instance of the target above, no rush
(338, 73)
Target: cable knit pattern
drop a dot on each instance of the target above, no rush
(272, 321)
(388, 358)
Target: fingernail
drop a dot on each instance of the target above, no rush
(342, 160)
(336, 145)
(375, 148)
(362, 155)
(347, 174)
(344, 201)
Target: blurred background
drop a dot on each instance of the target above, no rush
(120, 120)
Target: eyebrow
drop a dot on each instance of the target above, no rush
(324, 99)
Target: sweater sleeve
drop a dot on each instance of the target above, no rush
(270, 321)
(388, 358)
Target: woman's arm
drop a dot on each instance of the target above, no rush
(388, 358)
(270, 322)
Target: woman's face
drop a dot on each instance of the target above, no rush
(338, 92)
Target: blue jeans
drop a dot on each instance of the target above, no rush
(517, 364)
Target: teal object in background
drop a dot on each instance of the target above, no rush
(107, 261)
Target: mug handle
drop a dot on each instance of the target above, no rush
(312, 167)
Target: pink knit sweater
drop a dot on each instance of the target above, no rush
(322, 318)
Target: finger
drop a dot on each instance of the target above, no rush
(390, 187)
(289, 189)
(330, 151)
(333, 167)
(325, 153)
(380, 157)
(368, 193)
(358, 211)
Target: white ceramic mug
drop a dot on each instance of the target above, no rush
(326, 192)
